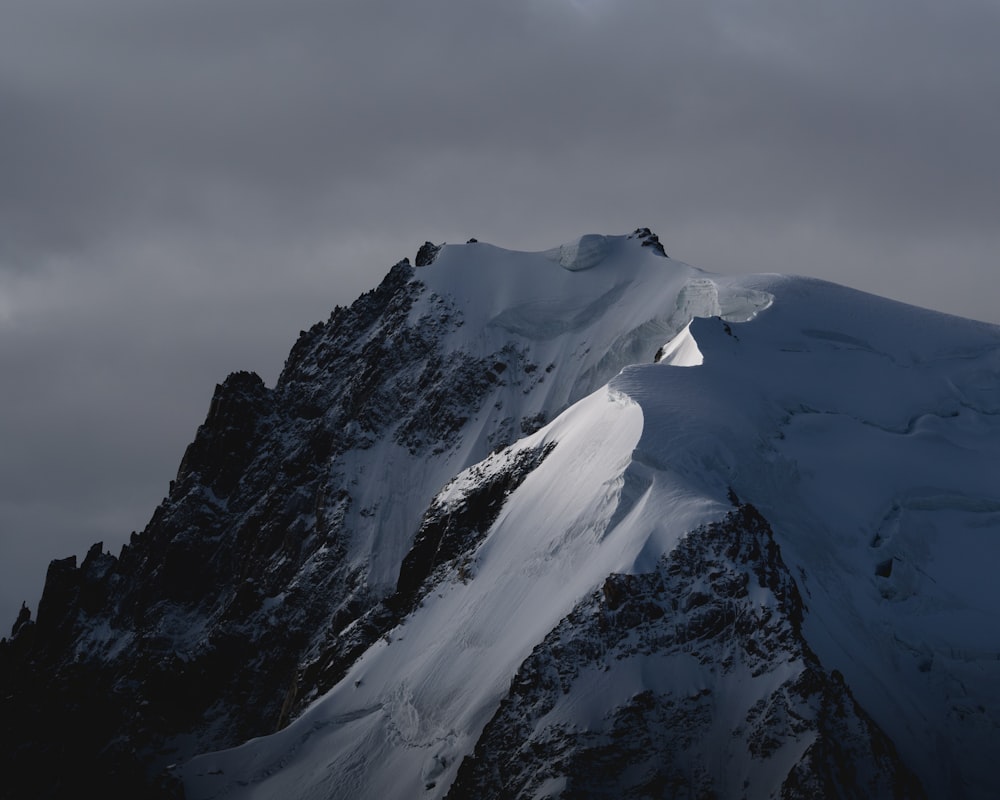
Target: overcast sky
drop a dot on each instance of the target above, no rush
(185, 184)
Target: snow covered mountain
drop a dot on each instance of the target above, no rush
(587, 522)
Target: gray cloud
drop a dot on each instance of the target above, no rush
(187, 184)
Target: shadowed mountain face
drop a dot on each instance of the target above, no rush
(732, 702)
(481, 540)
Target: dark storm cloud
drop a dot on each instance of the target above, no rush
(184, 185)
(186, 113)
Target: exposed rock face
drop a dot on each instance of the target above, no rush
(198, 634)
(649, 239)
(720, 606)
(426, 254)
(448, 534)
(23, 619)
(621, 635)
(224, 616)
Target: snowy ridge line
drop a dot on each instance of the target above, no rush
(653, 719)
(442, 550)
(696, 437)
(495, 446)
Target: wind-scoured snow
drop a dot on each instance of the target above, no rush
(865, 431)
(586, 252)
(559, 324)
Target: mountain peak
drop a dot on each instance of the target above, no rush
(545, 523)
(584, 253)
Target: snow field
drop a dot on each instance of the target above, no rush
(864, 430)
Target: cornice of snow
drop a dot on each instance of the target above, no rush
(594, 413)
(794, 410)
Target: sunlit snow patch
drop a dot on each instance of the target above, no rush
(586, 252)
(701, 297)
(681, 351)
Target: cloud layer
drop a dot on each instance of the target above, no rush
(187, 184)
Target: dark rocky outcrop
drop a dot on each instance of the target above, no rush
(426, 254)
(23, 619)
(238, 603)
(199, 633)
(449, 533)
(241, 600)
(649, 239)
(724, 600)
(450, 530)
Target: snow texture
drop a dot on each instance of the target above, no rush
(580, 522)
(865, 432)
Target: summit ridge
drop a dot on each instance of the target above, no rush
(567, 523)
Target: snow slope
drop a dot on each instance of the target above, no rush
(865, 431)
(300, 526)
(556, 325)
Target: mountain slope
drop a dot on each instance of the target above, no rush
(690, 679)
(758, 527)
(828, 411)
(224, 615)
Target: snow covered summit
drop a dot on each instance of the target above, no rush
(575, 523)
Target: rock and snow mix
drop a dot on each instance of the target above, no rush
(865, 432)
(697, 534)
